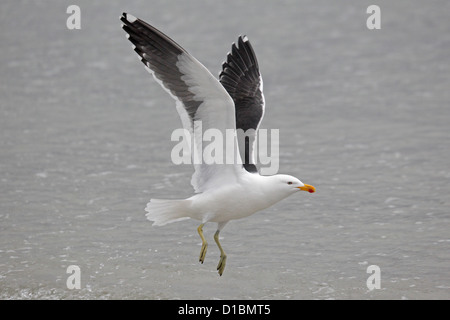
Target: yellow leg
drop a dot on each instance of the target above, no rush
(223, 256)
(204, 243)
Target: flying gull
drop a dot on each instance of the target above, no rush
(223, 192)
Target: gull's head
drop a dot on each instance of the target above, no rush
(292, 184)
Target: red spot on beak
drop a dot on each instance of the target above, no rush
(308, 188)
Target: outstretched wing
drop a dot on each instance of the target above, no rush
(241, 78)
(202, 102)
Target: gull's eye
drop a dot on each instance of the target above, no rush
(290, 182)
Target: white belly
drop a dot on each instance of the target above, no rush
(233, 202)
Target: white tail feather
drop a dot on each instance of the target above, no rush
(162, 211)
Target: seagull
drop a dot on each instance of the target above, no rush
(223, 192)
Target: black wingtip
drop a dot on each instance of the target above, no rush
(123, 18)
(129, 18)
(250, 167)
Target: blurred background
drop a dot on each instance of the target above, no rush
(363, 116)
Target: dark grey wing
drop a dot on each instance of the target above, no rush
(241, 78)
(160, 54)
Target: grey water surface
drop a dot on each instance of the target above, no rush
(363, 116)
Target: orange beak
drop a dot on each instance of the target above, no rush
(308, 188)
